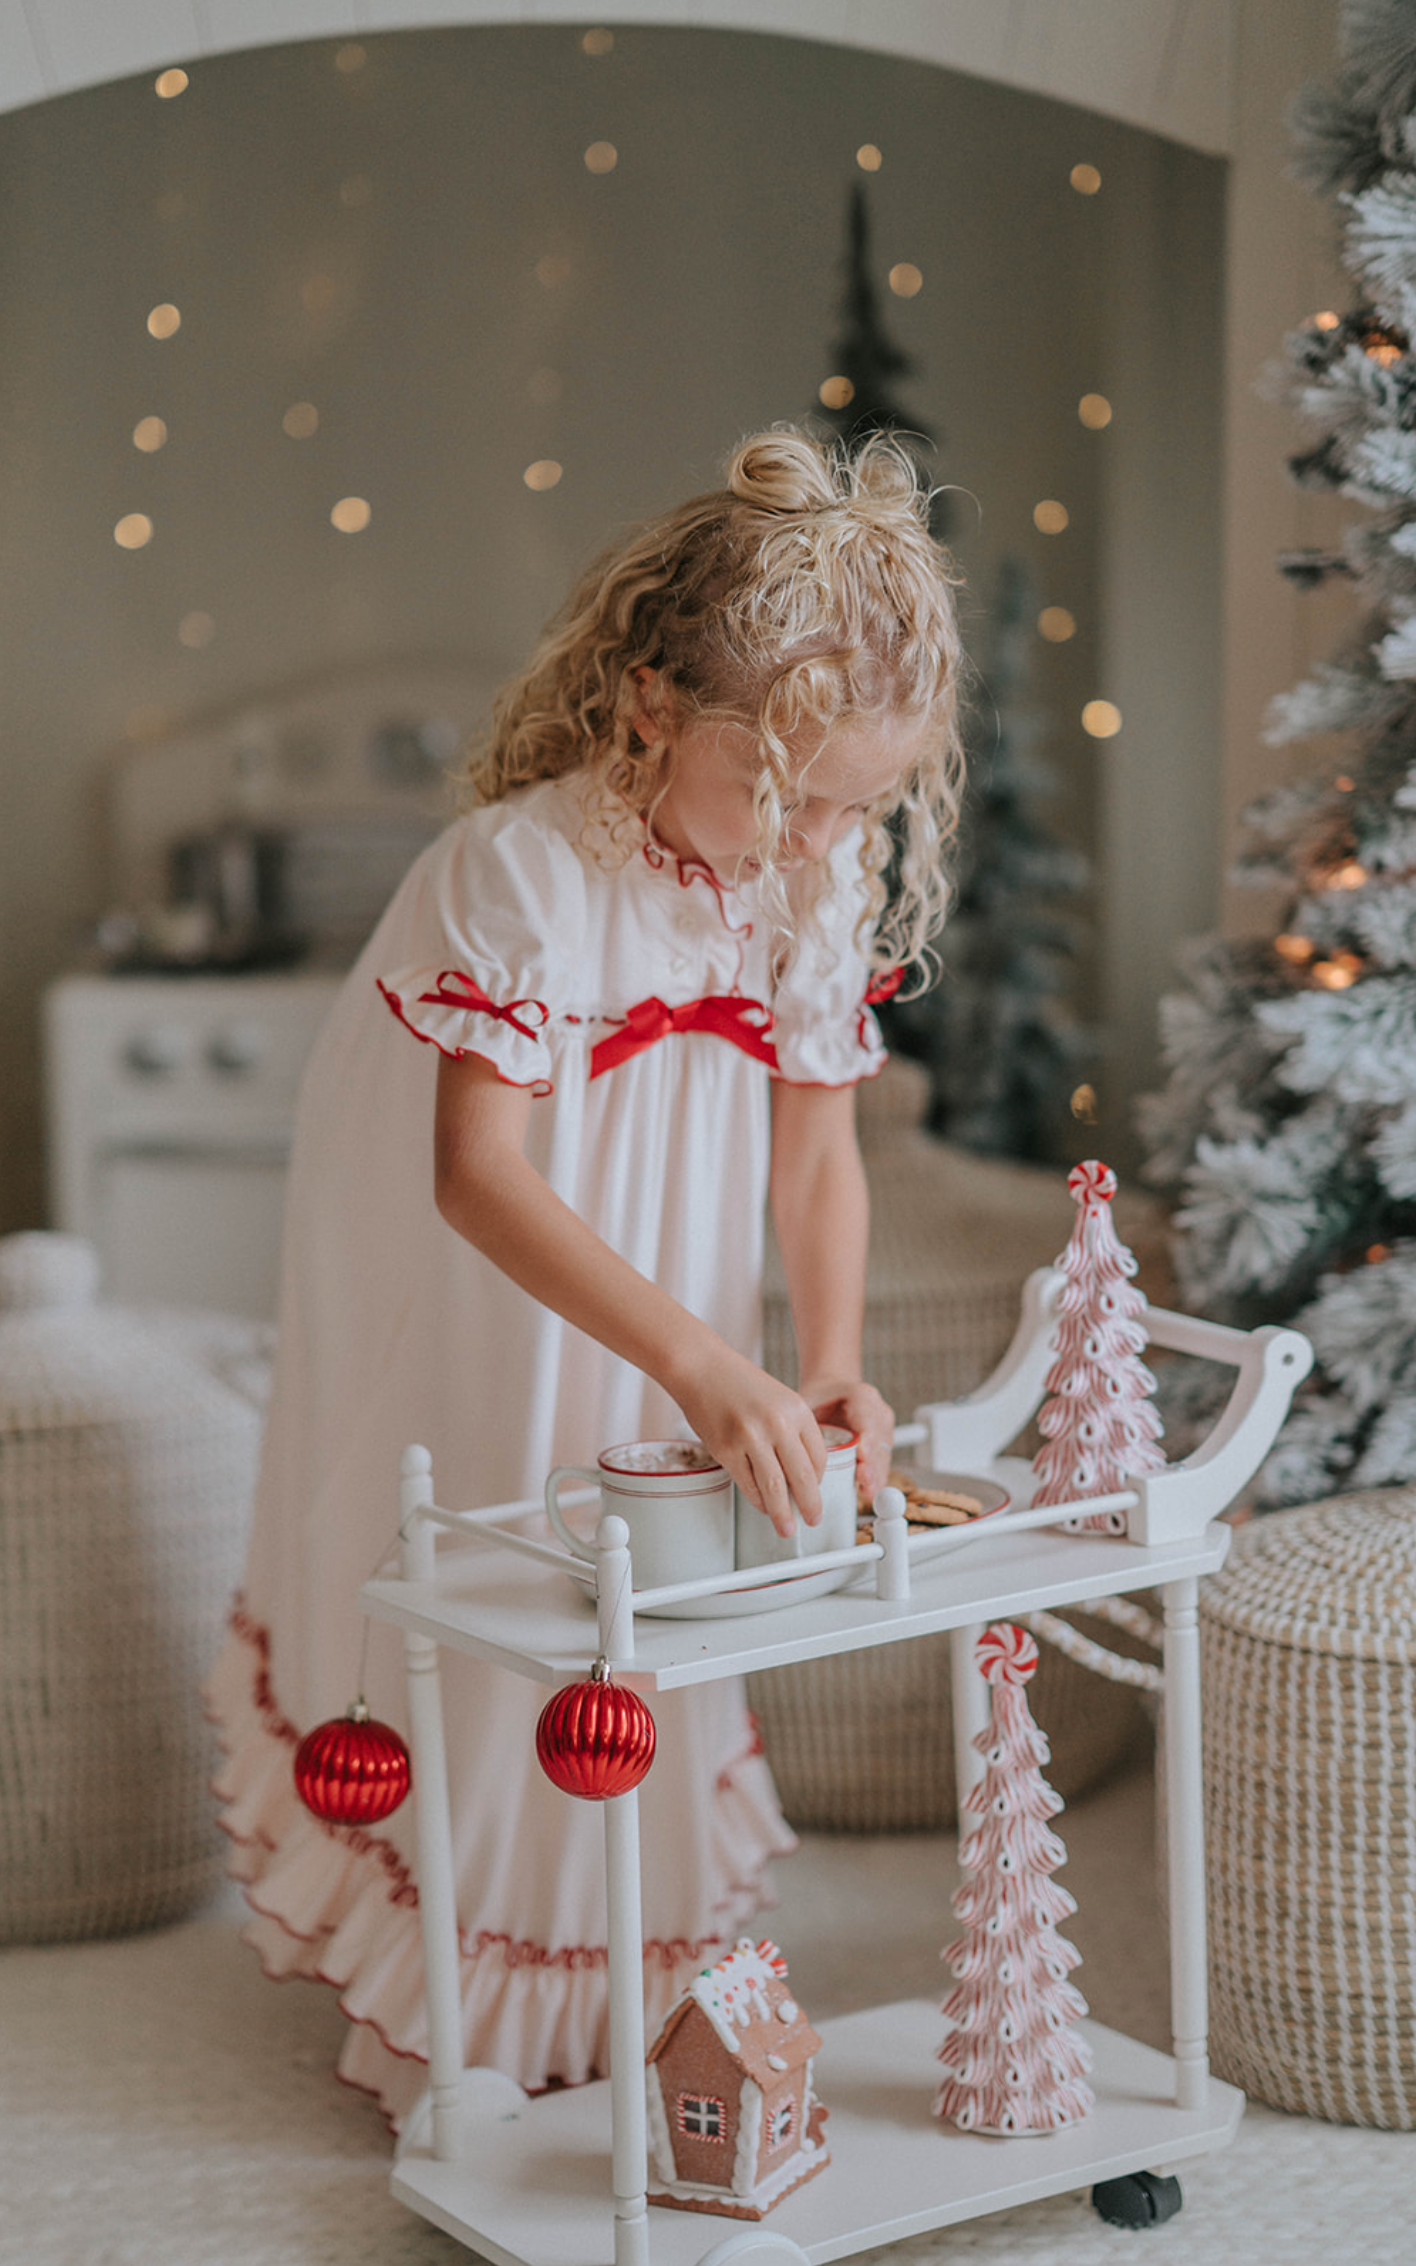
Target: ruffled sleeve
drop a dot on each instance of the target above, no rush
(482, 943)
(824, 1030)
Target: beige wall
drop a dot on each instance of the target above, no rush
(699, 303)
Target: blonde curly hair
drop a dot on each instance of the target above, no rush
(805, 592)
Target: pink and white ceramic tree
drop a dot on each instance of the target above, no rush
(1013, 2063)
(1101, 1427)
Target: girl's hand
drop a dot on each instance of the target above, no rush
(859, 1408)
(761, 1431)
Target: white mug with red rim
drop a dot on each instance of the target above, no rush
(758, 1542)
(676, 1501)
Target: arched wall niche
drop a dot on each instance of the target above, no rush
(1166, 65)
(1164, 544)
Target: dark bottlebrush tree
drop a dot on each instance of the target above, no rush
(859, 397)
(1288, 1125)
(993, 1030)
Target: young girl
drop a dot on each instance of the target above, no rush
(641, 965)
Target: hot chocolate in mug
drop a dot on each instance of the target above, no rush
(758, 1542)
(676, 1501)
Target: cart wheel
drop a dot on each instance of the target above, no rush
(1141, 2199)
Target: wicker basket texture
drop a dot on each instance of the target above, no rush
(863, 1742)
(126, 1470)
(1309, 1641)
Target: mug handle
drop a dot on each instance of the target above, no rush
(573, 1542)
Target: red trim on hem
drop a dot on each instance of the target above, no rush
(538, 1086)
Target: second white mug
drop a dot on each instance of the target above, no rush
(676, 1501)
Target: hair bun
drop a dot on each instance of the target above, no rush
(782, 472)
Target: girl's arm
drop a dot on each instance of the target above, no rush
(821, 1212)
(763, 1433)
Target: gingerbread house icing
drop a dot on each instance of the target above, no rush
(734, 2124)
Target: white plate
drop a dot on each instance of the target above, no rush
(771, 1597)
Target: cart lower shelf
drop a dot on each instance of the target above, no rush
(532, 2186)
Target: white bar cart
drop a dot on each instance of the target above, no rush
(560, 2180)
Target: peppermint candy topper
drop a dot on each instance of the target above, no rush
(1091, 1183)
(1006, 1654)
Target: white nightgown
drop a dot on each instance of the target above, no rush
(638, 1002)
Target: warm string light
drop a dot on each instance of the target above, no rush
(1050, 517)
(544, 473)
(169, 84)
(601, 157)
(349, 58)
(1101, 719)
(1343, 784)
(1094, 411)
(351, 515)
(599, 40)
(1337, 972)
(1297, 950)
(301, 420)
(1083, 1104)
(1085, 180)
(164, 321)
(149, 434)
(133, 531)
(1350, 875)
(835, 393)
(905, 280)
(868, 158)
(1056, 625)
(1376, 1252)
(1327, 320)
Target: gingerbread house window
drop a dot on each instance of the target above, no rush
(781, 2124)
(701, 2116)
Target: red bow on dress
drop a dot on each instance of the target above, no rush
(454, 989)
(746, 1022)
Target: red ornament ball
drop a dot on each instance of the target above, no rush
(595, 1739)
(352, 1771)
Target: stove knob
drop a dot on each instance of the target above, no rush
(236, 1049)
(156, 1050)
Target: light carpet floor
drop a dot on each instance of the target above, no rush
(164, 2105)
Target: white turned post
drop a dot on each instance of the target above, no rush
(969, 1693)
(614, 1596)
(626, 1957)
(1185, 1837)
(892, 1568)
(436, 1885)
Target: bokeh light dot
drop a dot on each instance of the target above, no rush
(171, 83)
(905, 279)
(1102, 719)
(349, 58)
(164, 321)
(1095, 411)
(868, 158)
(601, 157)
(599, 40)
(134, 530)
(544, 473)
(149, 434)
(1056, 624)
(351, 515)
(195, 630)
(835, 393)
(301, 420)
(1050, 517)
(1085, 180)
(1327, 320)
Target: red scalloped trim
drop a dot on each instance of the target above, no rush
(657, 855)
(538, 1086)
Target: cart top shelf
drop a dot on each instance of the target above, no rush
(535, 1621)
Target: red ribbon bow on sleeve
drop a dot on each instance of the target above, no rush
(454, 989)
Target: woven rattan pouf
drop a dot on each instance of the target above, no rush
(127, 1461)
(1309, 1645)
(862, 1742)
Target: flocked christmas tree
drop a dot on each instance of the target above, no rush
(994, 1032)
(1013, 2063)
(1288, 1126)
(1100, 1428)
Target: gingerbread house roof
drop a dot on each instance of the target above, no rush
(746, 2000)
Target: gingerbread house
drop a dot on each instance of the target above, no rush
(734, 2124)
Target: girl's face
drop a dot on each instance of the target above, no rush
(707, 809)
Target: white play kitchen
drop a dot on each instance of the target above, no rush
(563, 2179)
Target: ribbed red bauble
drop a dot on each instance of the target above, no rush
(352, 1770)
(595, 1739)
